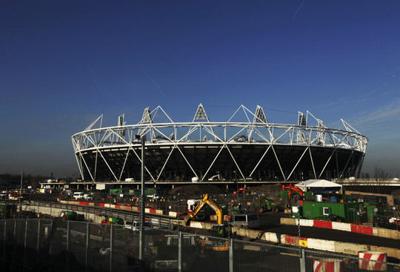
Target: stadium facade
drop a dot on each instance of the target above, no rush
(246, 147)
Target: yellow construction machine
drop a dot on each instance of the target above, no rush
(206, 201)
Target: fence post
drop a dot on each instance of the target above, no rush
(67, 246)
(111, 245)
(5, 235)
(141, 244)
(230, 255)
(87, 243)
(25, 232)
(302, 261)
(38, 236)
(180, 251)
(5, 229)
(15, 230)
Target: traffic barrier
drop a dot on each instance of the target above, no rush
(319, 244)
(135, 209)
(341, 226)
(303, 222)
(126, 207)
(294, 240)
(118, 206)
(306, 222)
(287, 221)
(366, 230)
(322, 224)
(372, 261)
(172, 214)
(159, 212)
(248, 233)
(349, 248)
(255, 234)
(195, 224)
(207, 226)
(83, 203)
(391, 252)
(270, 237)
(327, 265)
(361, 229)
(387, 233)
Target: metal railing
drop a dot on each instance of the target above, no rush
(36, 244)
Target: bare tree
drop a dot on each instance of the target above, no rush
(380, 174)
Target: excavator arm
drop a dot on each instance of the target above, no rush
(212, 204)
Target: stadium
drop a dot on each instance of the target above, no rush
(247, 147)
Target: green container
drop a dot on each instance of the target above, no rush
(323, 210)
(115, 220)
(150, 191)
(371, 212)
(69, 215)
(116, 191)
(349, 212)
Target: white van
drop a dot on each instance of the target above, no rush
(78, 195)
(135, 225)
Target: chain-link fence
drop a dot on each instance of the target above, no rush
(56, 245)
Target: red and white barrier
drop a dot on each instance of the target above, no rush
(341, 226)
(372, 261)
(327, 265)
(362, 229)
(172, 214)
(321, 244)
(294, 240)
(323, 224)
(118, 206)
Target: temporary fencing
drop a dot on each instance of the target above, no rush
(34, 244)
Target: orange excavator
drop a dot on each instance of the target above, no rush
(206, 201)
(295, 194)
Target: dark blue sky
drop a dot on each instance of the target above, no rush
(62, 63)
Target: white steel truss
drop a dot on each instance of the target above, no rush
(255, 129)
